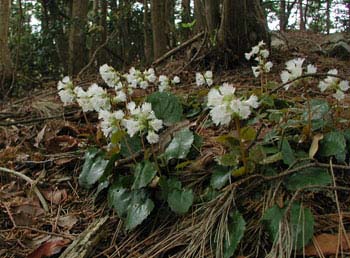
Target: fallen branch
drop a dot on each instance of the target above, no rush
(30, 181)
(178, 48)
(83, 245)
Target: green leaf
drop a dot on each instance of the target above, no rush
(180, 201)
(248, 133)
(117, 136)
(166, 106)
(300, 222)
(319, 110)
(307, 177)
(138, 212)
(119, 198)
(168, 185)
(144, 173)
(130, 146)
(219, 178)
(180, 145)
(93, 168)
(332, 144)
(287, 153)
(236, 228)
(229, 159)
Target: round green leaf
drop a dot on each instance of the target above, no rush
(332, 144)
(166, 106)
(306, 177)
(138, 212)
(144, 173)
(180, 145)
(180, 201)
(236, 228)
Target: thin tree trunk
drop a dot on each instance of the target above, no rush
(147, 47)
(328, 16)
(77, 47)
(282, 19)
(301, 16)
(158, 30)
(185, 17)
(5, 56)
(199, 16)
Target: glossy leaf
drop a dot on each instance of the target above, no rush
(287, 153)
(332, 144)
(180, 201)
(236, 228)
(138, 212)
(166, 106)
(308, 177)
(144, 173)
(219, 178)
(93, 168)
(180, 146)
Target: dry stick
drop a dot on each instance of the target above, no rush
(178, 48)
(95, 53)
(38, 119)
(316, 75)
(30, 181)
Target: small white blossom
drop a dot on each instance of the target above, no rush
(152, 137)
(176, 80)
(99, 97)
(120, 97)
(163, 83)
(294, 69)
(110, 76)
(311, 69)
(261, 54)
(335, 84)
(66, 91)
(83, 99)
(200, 79)
(110, 121)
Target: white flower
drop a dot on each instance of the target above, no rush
(200, 79)
(163, 83)
(152, 137)
(294, 70)
(268, 66)
(131, 125)
(110, 76)
(66, 92)
(264, 53)
(83, 99)
(214, 98)
(144, 85)
(150, 75)
(220, 115)
(343, 85)
(176, 80)
(110, 121)
(339, 95)
(311, 69)
(156, 124)
(256, 71)
(253, 101)
(99, 97)
(120, 96)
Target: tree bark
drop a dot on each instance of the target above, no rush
(5, 56)
(282, 16)
(328, 16)
(242, 26)
(185, 17)
(212, 14)
(158, 27)
(147, 46)
(301, 16)
(77, 47)
(199, 16)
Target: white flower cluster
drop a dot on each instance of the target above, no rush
(111, 77)
(164, 82)
(204, 79)
(294, 69)
(94, 99)
(143, 119)
(65, 89)
(261, 54)
(136, 78)
(225, 105)
(110, 121)
(334, 83)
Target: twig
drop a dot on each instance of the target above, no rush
(95, 53)
(38, 119)
(68, 236)
(174, 50)
(30, 181)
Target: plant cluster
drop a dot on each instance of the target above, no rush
(157, 126)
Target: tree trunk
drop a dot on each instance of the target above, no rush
(212, 14)
(170, 22)
(328, 16)
(301, 16)
(147, 46)
(185, 17)
(199, 16)
(282, 16)
(242, 26)
(77, 47)
(158, 27)
(5, 57)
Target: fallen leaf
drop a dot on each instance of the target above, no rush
(55, 196)
(67, 222)
(49, 248)
(68, 129)
(64, 161)
(61, 143)
(314, 145)
(326, 244)
(39, 137)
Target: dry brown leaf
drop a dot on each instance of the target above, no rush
(55, 196)
(40, 137)
(49, 248)
(327, 244)
(314, 145)
(67, 222)
(61, 143)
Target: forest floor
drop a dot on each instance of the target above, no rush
(44, 141)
